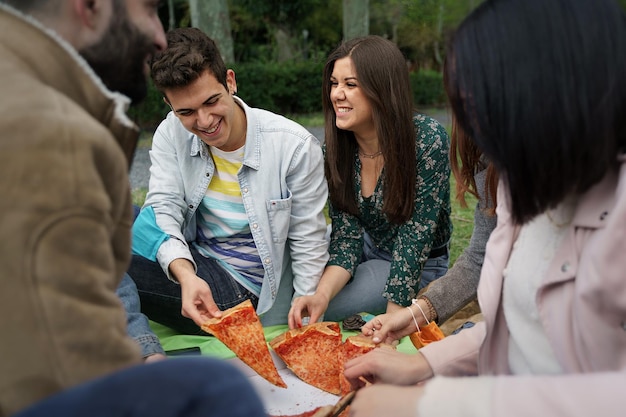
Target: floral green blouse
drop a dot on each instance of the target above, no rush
(409, 243)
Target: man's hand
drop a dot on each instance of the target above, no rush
(198, 303)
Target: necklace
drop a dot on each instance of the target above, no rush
(370, 155)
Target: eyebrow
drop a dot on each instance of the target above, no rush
(345, 79)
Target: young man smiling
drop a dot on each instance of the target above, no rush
(235, 204)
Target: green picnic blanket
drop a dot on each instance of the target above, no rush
(210, 346)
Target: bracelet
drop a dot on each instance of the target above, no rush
(432, 313)
(414, 320)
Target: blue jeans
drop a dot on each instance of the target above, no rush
(161, 298)
(364, 291)
(138, 325)
(181, 387)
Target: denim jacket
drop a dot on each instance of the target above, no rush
(283, 189)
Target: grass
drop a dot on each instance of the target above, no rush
(463, 222)
(314, 119)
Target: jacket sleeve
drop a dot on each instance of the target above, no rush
(572, 395)
(458, 287)
(308, 245)
(456, 355)
(166, 194)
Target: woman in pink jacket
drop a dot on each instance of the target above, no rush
(541, 87)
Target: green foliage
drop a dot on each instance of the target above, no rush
(149, 113)
(285, 88)
(427, 87)
(290, 88)
(313, 26)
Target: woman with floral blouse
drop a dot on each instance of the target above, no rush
(388, 175)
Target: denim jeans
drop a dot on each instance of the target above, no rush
(180, 387)
(138, 325)
(364, 291)
(161, 298)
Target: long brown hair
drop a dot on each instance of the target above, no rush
(384, 78)
(465, 161)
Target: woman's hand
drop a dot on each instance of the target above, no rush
(390, 327)
(387, 366)
(312, 306)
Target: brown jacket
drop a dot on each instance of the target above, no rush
(65, 218)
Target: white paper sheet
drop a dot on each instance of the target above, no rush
(298, 397)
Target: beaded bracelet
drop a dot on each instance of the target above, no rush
(432, 313)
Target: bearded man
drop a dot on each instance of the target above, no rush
(68, 70)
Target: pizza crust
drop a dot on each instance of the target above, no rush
(240, 329)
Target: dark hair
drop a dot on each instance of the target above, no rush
(541, 87)
(188, 55)
(465, 161)
(384, 79)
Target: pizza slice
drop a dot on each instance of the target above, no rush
(241, 331)
(355, 346)
(311, 353)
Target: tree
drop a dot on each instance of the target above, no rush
(283, 24)
(356, 18)
(213, 18)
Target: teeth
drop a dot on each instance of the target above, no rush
(209, 131)
(343, 110)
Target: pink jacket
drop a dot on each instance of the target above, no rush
(582, 303)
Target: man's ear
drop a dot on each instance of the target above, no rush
(90, 12)
(166, 101)
(231, 82)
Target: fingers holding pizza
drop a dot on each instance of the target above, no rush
(197, 298)
(387, 366)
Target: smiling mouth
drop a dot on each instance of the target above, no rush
(343, 109)
(212, 130)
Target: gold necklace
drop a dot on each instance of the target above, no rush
(370, 156)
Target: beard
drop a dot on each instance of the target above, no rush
(120, 57)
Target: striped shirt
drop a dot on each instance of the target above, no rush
(223, 227)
